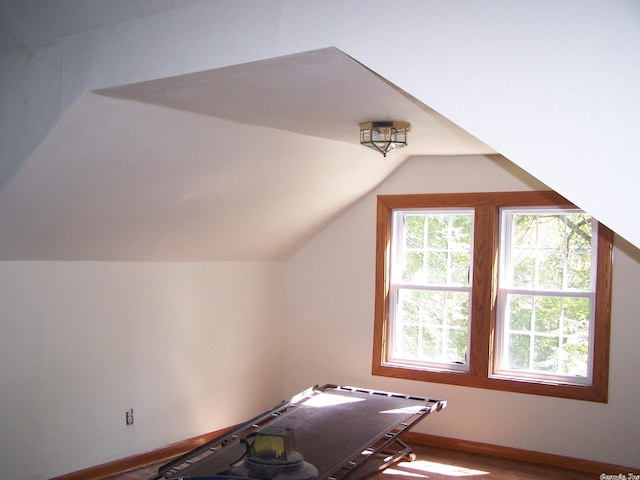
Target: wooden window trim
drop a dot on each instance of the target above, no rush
(484, 291)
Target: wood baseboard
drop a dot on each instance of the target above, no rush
(169, 452)
(134, 462)
(509, 453)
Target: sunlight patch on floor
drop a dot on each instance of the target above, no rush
(395, 471)
(421, 468)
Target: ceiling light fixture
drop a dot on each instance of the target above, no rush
(384, 136)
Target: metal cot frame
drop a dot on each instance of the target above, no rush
(346, 432)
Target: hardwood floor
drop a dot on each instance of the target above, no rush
(436, 463)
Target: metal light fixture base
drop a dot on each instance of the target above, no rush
(384, 136)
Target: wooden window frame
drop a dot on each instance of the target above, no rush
(484, 291)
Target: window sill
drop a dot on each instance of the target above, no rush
(499, 383)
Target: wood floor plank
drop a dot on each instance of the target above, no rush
(442, 464)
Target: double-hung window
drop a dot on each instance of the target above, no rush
(509, 291)
(545, 294)
(430, 291)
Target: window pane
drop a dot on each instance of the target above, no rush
(436, 268)
(519, 351)
(432, 325)
(408, 341)
(462, 229)
(414, 231)
(413, 263)
(460, 268)
(431, 344)
(549, 251)
(519, 312)
(457, 343)
(435, 248)
(550, 270)
(576, 313)
(546, 356)
(579, 235)
(576, 354)
(551, 233)
(547, 334)
(576, 316)
(548, 311)
(579, 271)
(437, 228)
(524, 231)
(524, 268)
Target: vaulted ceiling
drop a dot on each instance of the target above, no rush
(245, 162)
(135, 158)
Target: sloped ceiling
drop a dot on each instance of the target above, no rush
(246, 162)
(24, 23)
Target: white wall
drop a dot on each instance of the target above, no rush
(330, 301)
(550, 85)
(190, 347)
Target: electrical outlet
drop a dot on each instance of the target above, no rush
(129, 417)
